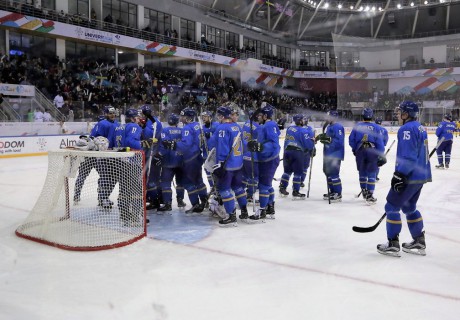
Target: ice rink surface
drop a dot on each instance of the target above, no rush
(306, 264)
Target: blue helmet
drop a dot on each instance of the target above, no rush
(409, 107)
(333, 113)
(298, 118)
(224, 111)
(448, 117)
(100, 118)
(146, 107)
(109, 109)
(367, 113)
(131, 113)
(188, 112)
(206, 114)
(267, 110)
(378, 120)
(173, 119)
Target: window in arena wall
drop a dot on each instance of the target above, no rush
(284, 54)
(313, 58)
(232, 40)
(187, 28)
(79, 7)
(453, 53)
(75, 50)
(122, 12)
(49, 4)
(33, 46)
(214, 35)
(156, 21)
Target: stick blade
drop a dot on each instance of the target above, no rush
(363, 229)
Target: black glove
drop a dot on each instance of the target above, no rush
(147, 113)
(398, 182)
(313, 152)
(255, 146)
(325, 139)
(170, 144)
(156, 160)
(218, 169)
(381, 160)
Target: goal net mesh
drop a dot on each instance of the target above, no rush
(91, 200)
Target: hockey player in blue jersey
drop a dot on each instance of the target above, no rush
(250, 164)
(208, 127)
(227, 141)
(268, 148)
(333, 138)
(151, 137)
(366, 142)
(412, 171)
(189, 146)
(309, 154)
(384, 133)
(171, 163)
(445, 130)
(297, 144)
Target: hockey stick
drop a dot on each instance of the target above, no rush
(389, 148)
(252, 170)
(149, 164)
(309, 176)
(370, 229)
(327, 180)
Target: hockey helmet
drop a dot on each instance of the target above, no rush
(109, 109)
(448, 117)
(298, 119)
(409, 107)
(267, 110)
(101, 143)
(224, 111)
(206, 114)
(146, 108)
(378, 120)
(131, 113)
(367, 113)
(173, 119)
(188, 112)
(333, 113)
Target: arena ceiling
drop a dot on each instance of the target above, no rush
(317, 20)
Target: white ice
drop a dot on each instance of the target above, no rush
(306, 264)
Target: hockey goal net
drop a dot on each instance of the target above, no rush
(91, 200)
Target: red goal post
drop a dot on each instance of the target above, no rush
(91, 200)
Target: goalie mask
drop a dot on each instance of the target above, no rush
(101, 143)
(85, 143)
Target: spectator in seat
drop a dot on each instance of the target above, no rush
(58, 100)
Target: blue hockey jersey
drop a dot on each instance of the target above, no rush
(106, 128)
(223, 140)
(133, 134)
(171, 158)
(268, 135)
(147, 133)
(384, 133)
(366, 131)
(246, 131)
(208, 131)
(446, 129)
(335, 149)
(412, 155)
(189, 145)
(299, 138)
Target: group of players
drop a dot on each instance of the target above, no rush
(241, 160)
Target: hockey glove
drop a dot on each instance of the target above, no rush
(148, 143)
(218, 169)
(170, 144)
(325, 140)
(255, 146)
(320, 136)
(398, 182)
(381, 161)
(157, 160)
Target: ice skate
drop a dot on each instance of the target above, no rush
(335, 197)
(271, 211)
(196, 208)
(283, 192)
(447, 166)
(153, 205)
(229, 221)
(416, 246)
(250, 199)
(180, 203)
(296, 195)
(244, 213)
(166, 208)
(391, 248)
(258, 216)
(440, 166)
(370, 200)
